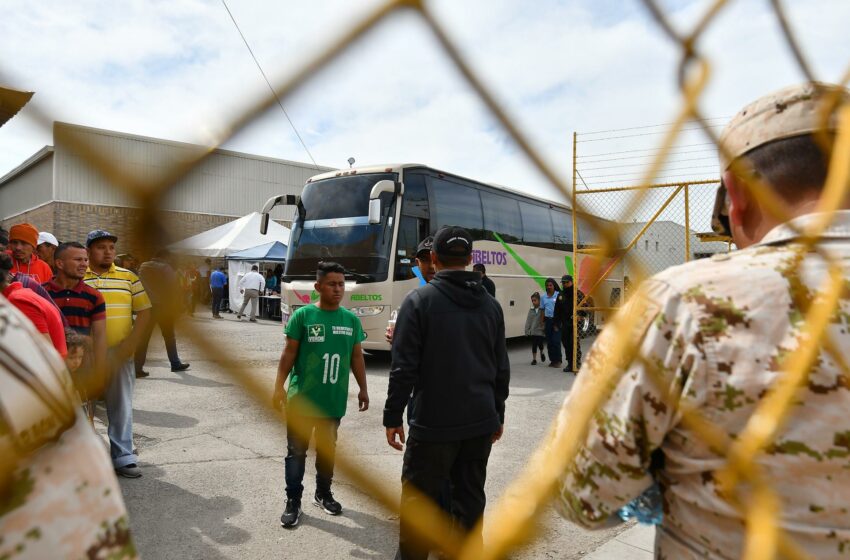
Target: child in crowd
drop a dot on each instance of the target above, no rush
(76, 351)
(534, 328)
(78, 345)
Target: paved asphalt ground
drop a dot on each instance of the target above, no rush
(213, 460)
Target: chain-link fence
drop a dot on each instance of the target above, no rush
(511, 520)
(658, 225)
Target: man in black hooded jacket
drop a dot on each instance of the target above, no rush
(449, 352)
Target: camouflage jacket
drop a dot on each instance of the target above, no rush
(719, 331)
(58, 494)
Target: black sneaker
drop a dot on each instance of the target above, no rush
(542, 357)
(327, 503)
(534, 362)
(180, 367)
(292, 514)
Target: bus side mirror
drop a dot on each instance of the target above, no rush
(385, 185)
(264, 223)
(375, 211)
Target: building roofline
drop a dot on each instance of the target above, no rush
(27, 164)
(177, 143)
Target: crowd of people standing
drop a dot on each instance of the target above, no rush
(714, 341)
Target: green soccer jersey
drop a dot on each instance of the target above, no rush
(326, 340)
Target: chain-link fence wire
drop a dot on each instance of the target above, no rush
(511, 522)
(669, 226)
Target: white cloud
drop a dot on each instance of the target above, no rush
(179, 70)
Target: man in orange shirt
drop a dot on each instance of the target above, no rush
(23, 239)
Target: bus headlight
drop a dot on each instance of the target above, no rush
(368, 310)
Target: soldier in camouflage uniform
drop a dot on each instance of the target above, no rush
(58, 494)
(718, 332)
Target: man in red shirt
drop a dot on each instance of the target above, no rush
(23, 239)
(44, 315)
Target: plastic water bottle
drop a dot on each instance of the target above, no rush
(646, 508)
(391, 323)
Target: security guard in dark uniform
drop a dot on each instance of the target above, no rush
(564, 309)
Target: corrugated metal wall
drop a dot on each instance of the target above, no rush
(226, 183)
(27, 190)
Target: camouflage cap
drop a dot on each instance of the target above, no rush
(791, 111)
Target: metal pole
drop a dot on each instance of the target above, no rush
(687, 224)
(574, 318)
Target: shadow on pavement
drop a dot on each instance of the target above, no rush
(184, 378)
(163, 419)
(178, 523)
(369, 535)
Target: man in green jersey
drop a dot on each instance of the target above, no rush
(322, 345)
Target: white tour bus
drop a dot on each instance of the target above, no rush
(371, 219)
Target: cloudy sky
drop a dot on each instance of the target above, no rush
(178, 69)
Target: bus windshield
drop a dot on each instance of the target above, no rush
(332, 224)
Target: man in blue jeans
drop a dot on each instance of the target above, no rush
(548, 301)
(125, 297)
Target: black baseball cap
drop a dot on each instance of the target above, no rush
(99, 234)
(425, 245)
(566, 277)
(453, 241)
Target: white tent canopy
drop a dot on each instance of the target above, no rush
(231, 237)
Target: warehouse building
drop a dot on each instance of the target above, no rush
(662, 245)
(57, 191)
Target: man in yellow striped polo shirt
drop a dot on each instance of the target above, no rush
(125, 296)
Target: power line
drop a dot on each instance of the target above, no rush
(645, 163)
(663, 170)
(638, 183)
(658, 150)
(644, 134)
(645, 126)
(279, 104)
(647, 156)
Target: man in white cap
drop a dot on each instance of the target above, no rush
(47, 244)
(714, 336)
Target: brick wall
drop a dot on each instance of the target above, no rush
(41, 217)
(72, 222)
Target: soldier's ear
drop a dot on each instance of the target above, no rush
(740, 198)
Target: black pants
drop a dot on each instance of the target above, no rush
(296, 454)
(217, 294)
(537, 343)
(568, 335)
(426, 467)
(166, 325)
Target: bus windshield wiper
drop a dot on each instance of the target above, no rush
(289, 277)
(359, 277)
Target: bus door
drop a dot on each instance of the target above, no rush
(413, 227)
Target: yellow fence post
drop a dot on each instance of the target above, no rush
(576, 338)
(687, 223)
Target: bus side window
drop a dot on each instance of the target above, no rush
(408, 239)
(562, 223)
(457, 205)
(501, 217)
(536, 226)
(415, 198)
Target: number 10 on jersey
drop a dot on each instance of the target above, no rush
(331, 368)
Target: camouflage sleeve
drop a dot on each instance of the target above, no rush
(612, 466)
